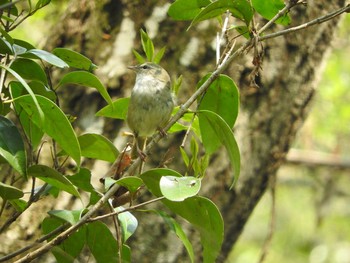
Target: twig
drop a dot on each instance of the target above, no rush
(316, 21)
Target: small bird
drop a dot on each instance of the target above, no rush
(151, 104)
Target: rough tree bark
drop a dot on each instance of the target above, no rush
(270, 116)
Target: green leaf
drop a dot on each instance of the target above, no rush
(179, 188)
(138, 57)
(215, 132)
(19, 204)
(268, 9)
(176, 228)
(186, 9)
(42, 3)
(48, 57)
(9, 192)
(23, 44)
(222, 97)
(82, 180)
(199, 211)
(128, 223)
(5, 47)
(132, 183)
(70, 248)
(70, 216)
(12, 146)
(117, 110)
(98, 235)
(98, 147)
(55, 124)
(52, 177)
(74, 59)
(29, 69)
(240, 9)
(147, 45)
(158, 57)
(86, 79)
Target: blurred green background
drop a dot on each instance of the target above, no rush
(312, 205)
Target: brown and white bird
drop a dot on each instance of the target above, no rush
(151, 104)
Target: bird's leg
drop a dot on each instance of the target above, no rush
(138, 148)
(162, 132)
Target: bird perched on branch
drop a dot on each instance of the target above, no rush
(151, 104)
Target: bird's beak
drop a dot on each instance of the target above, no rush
(132, 67)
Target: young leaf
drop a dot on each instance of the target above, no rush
(74, 59)
(48, 57)
(186, 9)
(268, 9)
(176, 227)
(12, 146)
(128, 223)
(29, 69)
(179, 188)
(70, 216)
(42, 3)
(55, 124)
(158, 57)
(98, 235)
(147, 45)
(215, 132)
(9, 192)
(222, 97)
(199, 211)
(117, 110)
(98, 147)
(140, 59)
(86, 79)
(52, 177)
(240, 9)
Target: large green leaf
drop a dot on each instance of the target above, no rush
(82, 180)
(101, 242)
(268, 9)
(222, 97)
(74, 59)
(12, 146)
(98, 147)
(55, 124)
(127, 222)
(48, 57)
(186, 9)
(9, 192)
(179, 188)
(70, 216)
(86, 79)
(29, 69)
(117, 110)
(215, 132)
(199, 211)
(52, 177)
(240, 9)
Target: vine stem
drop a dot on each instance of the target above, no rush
(183, 109)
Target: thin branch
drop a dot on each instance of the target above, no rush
(316, 21)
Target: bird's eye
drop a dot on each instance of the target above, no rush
(145, 67)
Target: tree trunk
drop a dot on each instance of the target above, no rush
(270, 115)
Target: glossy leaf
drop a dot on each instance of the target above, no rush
(127, 222)
(98, 147)
(101, 242)
(179, 188)
(117, 110)
(70, 216)
(176, 228)
(9, 192)
(52, 177)
(82, 180)
(186, 9)
(221, 97)
(86, 79)
(216, 132)
(56, 124)
(5, 46)
(12, 146)
(132, 183)
(29, 69)
(199, 211)
(74, 59)
(268, 9)
(48, 57)
(240, 9)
